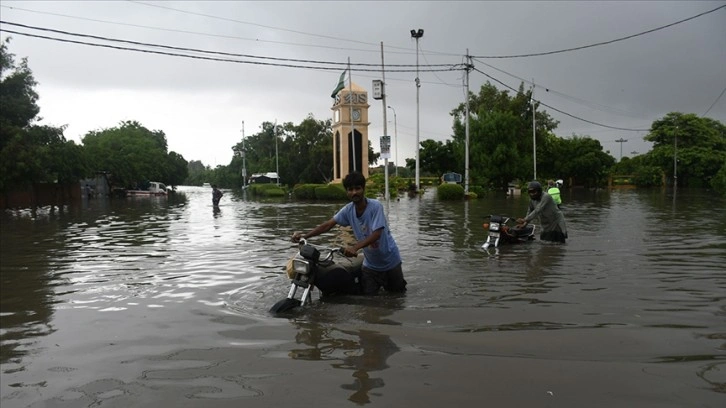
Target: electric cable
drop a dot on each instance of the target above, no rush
(593, 105)
(138, 43)
(561, 111)
(539, 54)
(714, 103)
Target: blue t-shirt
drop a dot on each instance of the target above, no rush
(381, 255)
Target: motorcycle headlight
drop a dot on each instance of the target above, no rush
(301, 266)
(494, 226)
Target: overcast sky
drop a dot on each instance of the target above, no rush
(201, 104)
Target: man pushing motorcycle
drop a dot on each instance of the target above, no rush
(382, 260)
(552, 221)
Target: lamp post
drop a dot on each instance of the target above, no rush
(675, 158)
(244, 153)
(417, 34)
(277, 157)
(244, 167)
(621, 141)
(395, 135)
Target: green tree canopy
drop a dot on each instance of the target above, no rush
(134, 154)
(303, 153)
(30, 153)
(698, 143)
(436, 157)
(500, 135)
(582, 159)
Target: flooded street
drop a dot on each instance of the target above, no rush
(156, 302)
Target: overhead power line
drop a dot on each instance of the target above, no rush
(172, 30)
(288, 64)
(594, 105)
(538, 54)
(561, 111)
(714, 103)
(335, 65)
(250, 23)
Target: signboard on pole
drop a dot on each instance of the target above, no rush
(385, 147)
(377, 89)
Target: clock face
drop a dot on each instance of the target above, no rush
(356, 114)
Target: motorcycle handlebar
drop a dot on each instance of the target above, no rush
(323, 249)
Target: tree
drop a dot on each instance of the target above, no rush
(436, 157)
(500, 135)
(30, 153)
(303, 153)
(311, 139)
(178, 169)
(18, 107)
(583, 159)
(197, 173)
(134, 154)
(700, 151)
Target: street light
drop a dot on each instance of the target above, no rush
(621, 141)
(395, 135)
(417, 34)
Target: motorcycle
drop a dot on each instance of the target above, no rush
(325, 268)
(500, 231)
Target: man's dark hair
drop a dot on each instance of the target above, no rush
(354, 179)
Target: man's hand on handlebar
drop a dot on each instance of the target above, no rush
(296, 236)
(349, 251)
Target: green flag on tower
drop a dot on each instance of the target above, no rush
(341, 85)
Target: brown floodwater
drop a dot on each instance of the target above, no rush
(163, 302)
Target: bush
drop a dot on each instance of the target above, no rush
(267, 190)
(305, 191)
(648, 176)
(376, 184)
(477, 190)
(330, 192)
(450, 192)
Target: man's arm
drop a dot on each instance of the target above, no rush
(375, 235)
(320, 229)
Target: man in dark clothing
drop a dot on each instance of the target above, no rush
(216, 195)
(552, 221)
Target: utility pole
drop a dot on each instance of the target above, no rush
(244, 153)
(621, 141)
(395, 136)
(675, 158)
(385, 124)
(466, 159)
(534, 134)
(417, 34)
(277, 158)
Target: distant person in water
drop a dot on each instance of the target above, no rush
(553, 189)
(216, 195)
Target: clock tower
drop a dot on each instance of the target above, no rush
(350, 132)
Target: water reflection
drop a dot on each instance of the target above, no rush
(363, 351)
(50, 258)
(26, 293)
(116, 280)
